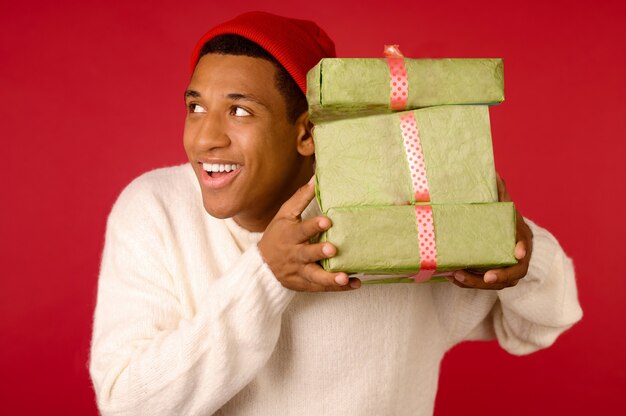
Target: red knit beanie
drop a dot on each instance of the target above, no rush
(297, 44)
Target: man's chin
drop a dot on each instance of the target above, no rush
(218, 212)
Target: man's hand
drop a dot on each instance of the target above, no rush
(286, 249)
(507, 276)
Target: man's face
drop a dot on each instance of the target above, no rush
(247, 156)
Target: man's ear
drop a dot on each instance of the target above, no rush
(305, 144)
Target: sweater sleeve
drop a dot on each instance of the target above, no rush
(529, 316)
(544, 304)
(152, 356)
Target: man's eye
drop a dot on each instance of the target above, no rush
(195, 108)
(240, 112)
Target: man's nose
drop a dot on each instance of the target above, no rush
(212, 132)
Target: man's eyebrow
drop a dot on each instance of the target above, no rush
(235, 96)
(192, 93)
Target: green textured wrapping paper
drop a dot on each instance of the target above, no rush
(362, 161)
(384, 240)
(345, 87)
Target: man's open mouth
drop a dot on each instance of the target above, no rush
(216, 170)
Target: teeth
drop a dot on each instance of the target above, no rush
(215, 167)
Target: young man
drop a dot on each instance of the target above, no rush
(203, 303)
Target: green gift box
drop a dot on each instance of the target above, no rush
(362, 161)
(343, 87)
(384, 240)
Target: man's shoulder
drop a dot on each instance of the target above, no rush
(171, 187)
(166, 181)
(180, 176)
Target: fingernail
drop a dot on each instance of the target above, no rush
(355, 283)
(520, 251)
(341, 279)
(328, 250)
(324, 223)
(459, 277)
(312, 180)
(490, 277)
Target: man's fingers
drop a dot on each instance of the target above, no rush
(314, 287)
(355, 283)
(507, 274)
(492, 280)
(310, 228)
(293, 207)
(295, 266)
(520, 250)
(523, 232)
(315, 274)
(524, 238)
(503, 195)
(321, 280)
(310, 253)
(499, 278)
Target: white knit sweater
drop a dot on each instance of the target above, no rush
(190, 321)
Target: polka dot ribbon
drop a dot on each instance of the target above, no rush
(398, 78)
(423, 213)
(415, 156)
(427, 245)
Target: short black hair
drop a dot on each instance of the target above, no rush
(295, 100)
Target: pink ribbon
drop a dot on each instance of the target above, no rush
(398, 77)
(427, 245)
(423, 213)
(399, 84)
(415, 156)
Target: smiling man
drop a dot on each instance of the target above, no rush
(238, 118)
(202, 299)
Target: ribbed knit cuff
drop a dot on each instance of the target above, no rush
(544, 303)
(545, 249)
(278, 294)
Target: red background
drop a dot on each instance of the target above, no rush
(92, 97)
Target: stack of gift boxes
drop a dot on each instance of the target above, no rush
(404, 166)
